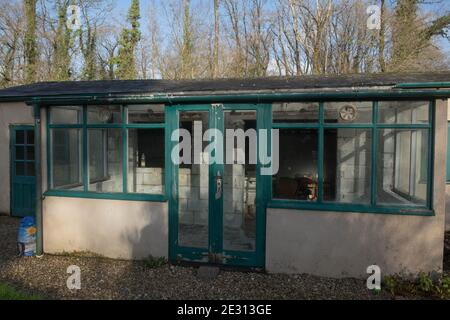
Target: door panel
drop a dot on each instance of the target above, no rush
(193, 188)
(23, 188)
(239, 196)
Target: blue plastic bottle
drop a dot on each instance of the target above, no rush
(26, 238)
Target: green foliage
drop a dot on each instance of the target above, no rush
(423, 286)
(9, 293)
(129, 38)
(425, 283)
(390, 284)
(155, 262)
(30, 40)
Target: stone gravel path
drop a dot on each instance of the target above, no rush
(115, 279)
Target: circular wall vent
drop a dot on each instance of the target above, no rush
(348, 112)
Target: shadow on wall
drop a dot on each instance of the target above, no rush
(447, 206)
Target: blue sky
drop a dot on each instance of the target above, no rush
(123, 5)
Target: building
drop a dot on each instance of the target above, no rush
(361, 173)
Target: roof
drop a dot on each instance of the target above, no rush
(188, 87)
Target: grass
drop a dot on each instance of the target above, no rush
(9, 293)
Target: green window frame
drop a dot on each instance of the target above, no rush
(375, 126)
(84, 126)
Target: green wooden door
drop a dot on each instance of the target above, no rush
(217, 208)
(23, 180)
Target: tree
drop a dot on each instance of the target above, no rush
(412, 36)
(30, 40)
(62, 44)
(129, 38)
(215, 69)
(186, 51)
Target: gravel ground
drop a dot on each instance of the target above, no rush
(115, 279)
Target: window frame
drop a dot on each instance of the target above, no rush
(84, 126)
(374, 126)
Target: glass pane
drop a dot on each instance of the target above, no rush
(20, 153)
(20, 169)
(66, 115)
(20, 137)
(97, 155)
(404, 112)
(105, 160)
(104, 114)
(295, 112)
(146, 113)
(347, 165)
(67, 169)
(297, 175)
(239, 184)
(30, 137)
(30, 169)
(30, 153)
(403, 166)
(146, 161)
(348, 112)
(193, 189)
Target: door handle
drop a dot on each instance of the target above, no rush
(219, 183)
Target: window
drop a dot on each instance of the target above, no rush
(347, 156)
(105, 154)
(105, 160)
(104, 114)
(146, 154)
(66, 115)
(67, 170)
(153, 113)
(400, 160)
(368, 155)
(297, 175)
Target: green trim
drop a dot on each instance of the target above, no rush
(84, 126)
(85, 151)
(349, 208)
(106, 98)
(124, 149)
(421, 85)
(374, 156)
(215, 245)
(375, 127)
(107, 196)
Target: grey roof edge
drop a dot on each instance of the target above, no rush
(310, 83)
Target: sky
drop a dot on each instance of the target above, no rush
(123, 5)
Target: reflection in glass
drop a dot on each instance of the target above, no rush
(193, 190)
(402, 166)
(239, 187)
(347, 165)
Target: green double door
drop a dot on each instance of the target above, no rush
(217, 206)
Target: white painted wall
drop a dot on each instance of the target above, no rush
(447, 187)
(345, 244)
(111, 228)
(10, 113)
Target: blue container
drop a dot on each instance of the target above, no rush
(26, 238)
